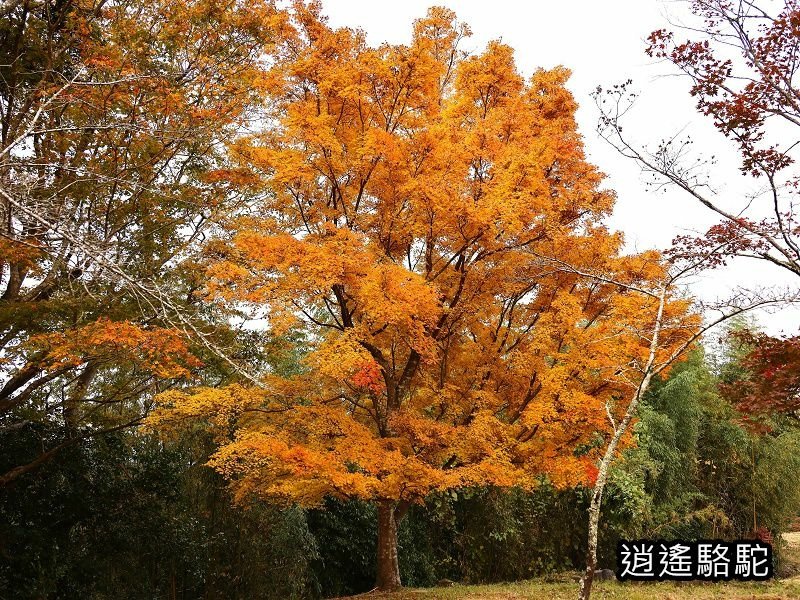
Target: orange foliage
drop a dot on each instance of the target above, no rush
(160, 351)
(409, 195)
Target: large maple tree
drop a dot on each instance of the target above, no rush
(410, 200)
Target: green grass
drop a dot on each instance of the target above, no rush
(790, 554)
(565, 587)
(528, 590)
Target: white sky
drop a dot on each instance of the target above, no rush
(602, 42)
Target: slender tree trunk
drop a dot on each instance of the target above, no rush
(600, 485)
(389, 516)
(608, 457)
(77, 395)
(591, 552)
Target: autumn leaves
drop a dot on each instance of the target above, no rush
(415, 230)
(408, 201)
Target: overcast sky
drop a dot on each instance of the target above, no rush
(603, 43)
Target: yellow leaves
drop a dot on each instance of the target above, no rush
(24, 256)
(260, 267)
(407, 212)
(549, 93)
(570, 471)
(339, 357)
(316, 451)
(392, 296)
(217, 406)
(482, 437)
(441, 29)
(489, 80)
(236, 178)
(423, 434)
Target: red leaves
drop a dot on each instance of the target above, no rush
(369, 377)
(741, 237)
(740, 97)
(591, 474)
(772, 380)
(658, 42)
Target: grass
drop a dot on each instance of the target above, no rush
(566, 587)
(790, 566)
(529, 590)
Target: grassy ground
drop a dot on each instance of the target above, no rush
(530, 590)
(787, 588)
(791, 555)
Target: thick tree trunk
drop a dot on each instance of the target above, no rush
(389, 517)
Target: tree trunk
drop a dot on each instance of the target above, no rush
(389, 517)
(650, 369)
(77, 395)
(594, 520)
(585, 591)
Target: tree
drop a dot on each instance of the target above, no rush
(409, 195)
(111, 119)
(703, 471)
(770, 381)
(742, 61)
(741, 98)
(126, 511)
(642, 371)
(752, 98)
